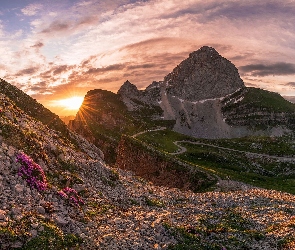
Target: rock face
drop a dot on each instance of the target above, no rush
(204, 75)
(191, 94)
(158, 168)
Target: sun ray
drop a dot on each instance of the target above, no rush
(71, 103)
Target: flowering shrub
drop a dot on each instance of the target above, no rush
(72, 195)
(32, 172)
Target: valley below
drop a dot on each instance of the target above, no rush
(196, 161)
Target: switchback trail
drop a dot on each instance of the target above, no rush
(150, 130)
(183, 150)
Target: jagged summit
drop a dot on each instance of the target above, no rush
(128, 89)
(204, 74)
(206, 52)
(135, 99)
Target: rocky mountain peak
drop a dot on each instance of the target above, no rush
(128, 89)
(203, 75)
(205, 53)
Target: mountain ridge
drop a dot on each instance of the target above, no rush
(32, 107)
(82, 203)
(218, 105)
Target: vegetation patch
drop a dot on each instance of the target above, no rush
(153, 202)
(49, 235)
(53, 238)
(226, 229)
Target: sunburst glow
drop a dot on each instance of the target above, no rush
(72, 103)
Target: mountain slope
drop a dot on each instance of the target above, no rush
(32, 107)
(258, 108)
(112, 209)
(104, 117)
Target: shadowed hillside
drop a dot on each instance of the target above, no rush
(33, 108)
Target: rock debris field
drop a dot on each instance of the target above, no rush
(113, 209)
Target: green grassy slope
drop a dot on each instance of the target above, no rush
(255, 98)
(258, 108)
(260, 171)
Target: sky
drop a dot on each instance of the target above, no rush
(57, 49)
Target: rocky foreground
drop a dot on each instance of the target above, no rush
(84, 204)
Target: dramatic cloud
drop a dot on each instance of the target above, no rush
(251, 9)
(39, 87)
(56, 26)
(38, 45)
(113, 67)
(61, 46)
(27, 71)
(142, 66)
(291, 84)
(266, 70)
(60, 69)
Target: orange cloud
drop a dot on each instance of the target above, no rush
(100, 44)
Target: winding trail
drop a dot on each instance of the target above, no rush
(150, 130)
(183, 149)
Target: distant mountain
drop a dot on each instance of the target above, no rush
(290, 98)
(203, 97)
(67, 119)
(104, 117)
(203, 75)
(258, 109)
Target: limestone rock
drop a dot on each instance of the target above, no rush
(41, 210)
(204, 75)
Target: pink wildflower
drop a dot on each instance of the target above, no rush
(72, 195)
(32, 172)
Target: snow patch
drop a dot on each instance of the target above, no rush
(205, 100)
(154, 87)
(241, 98)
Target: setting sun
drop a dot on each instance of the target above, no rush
(72, 103)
